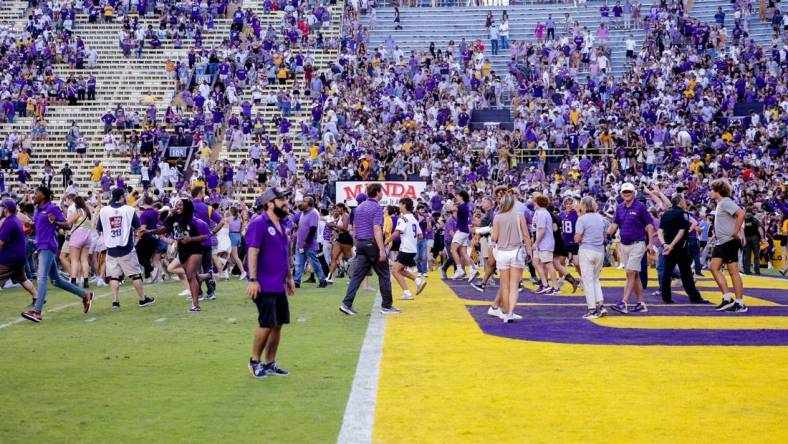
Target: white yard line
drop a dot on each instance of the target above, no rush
(360, 409)
(63, 307)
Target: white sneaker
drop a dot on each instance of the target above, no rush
(243, 276)
(560, 283)
(620, 267)
(100, 283)
(507, 318)
(472, 275)
(675, 283)
(226, 275)
(185, 293)
(516, 317)
(458, 274)
(420, 284)
(407, 296)
(495, 312)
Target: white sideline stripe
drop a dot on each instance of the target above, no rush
(63, 307)
(359, 416)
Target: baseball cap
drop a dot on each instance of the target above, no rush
(627, 186)
(361, 197)
(9, 205)
(271, 194)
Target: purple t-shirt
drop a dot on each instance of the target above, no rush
(12, 235)
(204, 230)
(201, 212)
(46, 232)
(150, 218)
(365, 217)
(305, 223)
(273, 259)
(568, 221)
(632, 222)
(463, 215)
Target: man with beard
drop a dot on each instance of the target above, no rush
(270, 280)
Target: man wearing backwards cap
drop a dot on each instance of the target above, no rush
(47, 219)
(12, 248)
(118, 222)
(637, 230)
(270, 280)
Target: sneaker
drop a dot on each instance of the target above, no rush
(675, 283)
(330, 278)
(185, 293)
(87, 302)
(621, 307)
(322, 284)
(478, 287)
(195, 309)
(347, 310)
(543, 290)
(100, 283)
(146, 301)
(390, 310)
(725, 304)
(601, 312)
(737, 307)
(211, 296)
(115, 305)
(273, 369)
(33, 315)
(591, 314)
(458, 274)
(242, 277)
(494, 312)
(640, 308)
(444, 276)
(407, 296)
(516, 317)
(554, 291)
(420, 285)
(257, 369)
(472, 275)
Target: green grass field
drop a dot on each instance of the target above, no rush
(160, 374)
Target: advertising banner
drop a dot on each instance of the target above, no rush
(393, 191)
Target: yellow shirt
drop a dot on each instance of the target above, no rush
(282, 73)
(198, 183)
(574, 116)
(407, 146)
(387, 224)
(97, 172)
(695, 166)
(23, 158)
(727, 136)
(486, 68)
(313, 152)
(205, 152)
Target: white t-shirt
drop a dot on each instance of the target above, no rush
(409, 230)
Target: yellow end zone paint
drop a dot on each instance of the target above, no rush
(730, 322)
(444, 381)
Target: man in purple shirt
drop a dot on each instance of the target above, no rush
(12, 248)
(370, 252)
(270, 279)
(306, 243)
(214, 221)
(637, 231)
(47, 219)
(460, 241)
(149, 244)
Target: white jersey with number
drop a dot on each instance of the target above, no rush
(116, 225)
(409, 231)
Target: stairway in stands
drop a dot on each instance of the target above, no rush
(760, 31)
(421, 26)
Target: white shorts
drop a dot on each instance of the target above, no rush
(505, 260)
(127, 265)
(632, 254)
(460, 238)
(544, 256)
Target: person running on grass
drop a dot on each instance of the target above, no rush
(409, 232)
(47, 219)
(728, 235)
(118, 221)
(13, 252)
(270, 280)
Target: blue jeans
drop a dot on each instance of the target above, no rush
(504, 42)
(421, 255)
(47, 269)
(311, 256)
(694, 249)
(494, 46)
(644, 271)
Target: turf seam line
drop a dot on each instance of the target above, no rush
(359, 417)
(63, 307)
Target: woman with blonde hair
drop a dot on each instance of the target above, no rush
(510, 243)
(590, 235)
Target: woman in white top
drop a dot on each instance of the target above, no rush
(510, 243)
(409, 233)
(590, 231)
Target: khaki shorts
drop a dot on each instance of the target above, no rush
(484, 246)
(632, 254)
(544, 256)
(127, 265)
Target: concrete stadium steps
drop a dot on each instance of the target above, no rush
(13, 12)
(760, 31)
(421, 26)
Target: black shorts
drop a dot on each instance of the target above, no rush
(207, 255)
(345, 239)
(630, 54)
(395, 245)
(781, 238)
(406, 259)
(184, 252)
(560, 250)
(273, 309)
(573, 249)
(15, 274)
(728, 252)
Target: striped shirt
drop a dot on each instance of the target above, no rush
(367, 215)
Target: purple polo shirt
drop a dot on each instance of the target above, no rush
(201, 212)
(149, 218)
(46, 232)
(273, 258)
(366, 216)
(13, 252)
(305, 223)
(204, 230)
(632, 222)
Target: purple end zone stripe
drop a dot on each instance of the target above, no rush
(563, 323)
